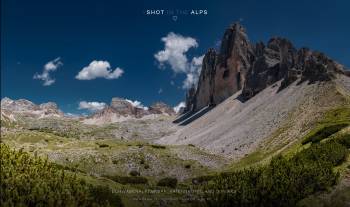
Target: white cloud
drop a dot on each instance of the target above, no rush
(137, 104)
(175, 47)
(51, 66)
(190, 81)
(91, 106)
(179, 106)
(193, 75)
(197, 61)
(174, 54)
(72, 115)
(99, 69)
(160, 91)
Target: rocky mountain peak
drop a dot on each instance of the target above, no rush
(161, 108)
(18, 105)
(122, 106)
(6, 100)
(50, 108)
(223, 73)
(241, 65)
(234, 37)
(234, 60)
(28, 108)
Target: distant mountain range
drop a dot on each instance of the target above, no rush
(28, 108)
(119, 109)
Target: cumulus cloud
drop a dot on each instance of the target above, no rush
(174, 54)
(99, 69)
(179, 106)
(193, 75)
(137, 104)
(175, 47)
(91, 106)
(51, 66)
(190, 81)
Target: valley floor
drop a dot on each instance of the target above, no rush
(155, 154)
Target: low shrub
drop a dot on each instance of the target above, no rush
(324, 132)
(202, 179)
(102, 145)
(105, 196)
(128, 180)
(344, 140)
(331, 151)
(33, 181)
(158, 146)
(168, 182)
(134, 173)
(283, 182)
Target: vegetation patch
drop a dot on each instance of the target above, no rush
(324, 132)
(134, 173)
(33, 181)
(156, 146)
(202, 179)
(101, 145)
(283, 182)
(167, 182)
(128, 179)
(344, 139)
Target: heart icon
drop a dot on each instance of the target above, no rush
(174, 18)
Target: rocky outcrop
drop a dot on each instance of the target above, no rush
(120, 109)
(122, 106)
(161, 108)
(240, 65)
(28, 108)
(271, 64)
(50, 108)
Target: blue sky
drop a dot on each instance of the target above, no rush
(33, 33)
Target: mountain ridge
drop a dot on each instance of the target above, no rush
(241, 65)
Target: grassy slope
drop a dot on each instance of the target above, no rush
(96, 160)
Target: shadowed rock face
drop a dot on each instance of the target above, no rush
(190, 99)
(234, 60)
(270, 65)
(205, 93)
(241, 65)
